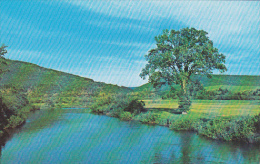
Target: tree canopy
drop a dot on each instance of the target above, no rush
(179, 55)
(3, 51)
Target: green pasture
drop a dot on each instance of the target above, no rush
(205, 108)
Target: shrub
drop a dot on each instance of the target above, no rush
(135, 107)
(149, 117)
(243, 128)
(99, 108)
(256, 123)
(115, 104)
(14, 121)
(125, 116)
(183, 124)
(216, 129)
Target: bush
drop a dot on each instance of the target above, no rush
(183, 124)
(125, 116)
(149, 117)
(14, 121)
(135, 107)
(115, 104)
(216, 129)
(256, 123)
(243, 128)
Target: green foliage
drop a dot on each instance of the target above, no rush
(3, 51)
(135, 107)
(184, 102)
(149, 118)
(14, 121)
(178, 56)
(5, 113)
(183, 124)
(116, 104)
(14, 108)
(225, 94)
(126, 116)
(227, 129)
(170, 94)
(14, 98)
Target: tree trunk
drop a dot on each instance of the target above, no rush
(184, 86)
(184, 102)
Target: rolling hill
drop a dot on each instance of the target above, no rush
(40, 83)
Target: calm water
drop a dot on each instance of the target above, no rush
(76, 136)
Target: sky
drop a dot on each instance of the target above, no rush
(107, 40)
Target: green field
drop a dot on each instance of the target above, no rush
(206, 108)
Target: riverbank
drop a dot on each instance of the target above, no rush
(223, 120)
(75, 135)
(226, 120)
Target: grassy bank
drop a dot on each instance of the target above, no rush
(231, 120)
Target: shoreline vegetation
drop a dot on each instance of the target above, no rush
(244, 128)
(227, 128)
(27, 87)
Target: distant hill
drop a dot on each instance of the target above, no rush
(39, 82)
(230, 82)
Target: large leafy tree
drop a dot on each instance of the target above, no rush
(178, 56)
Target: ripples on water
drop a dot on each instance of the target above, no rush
(76, 136)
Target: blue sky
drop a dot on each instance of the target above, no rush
(107, 40)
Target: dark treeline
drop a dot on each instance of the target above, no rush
(220, 94)
(14, 108)
(225, 94)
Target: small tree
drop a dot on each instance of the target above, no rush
(179, 55)
(3, 51)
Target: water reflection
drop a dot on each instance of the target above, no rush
(76, 136)
(186, 147)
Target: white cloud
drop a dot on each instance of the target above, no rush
(219, 18)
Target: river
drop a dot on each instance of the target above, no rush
(77, 136)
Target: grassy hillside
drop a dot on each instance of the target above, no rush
(41, 83)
